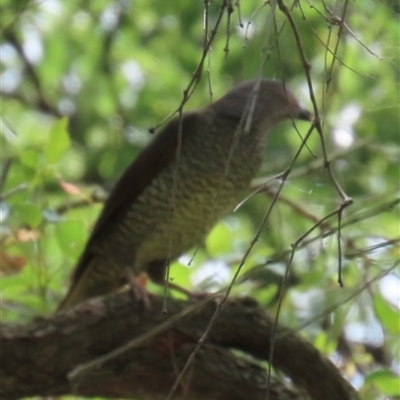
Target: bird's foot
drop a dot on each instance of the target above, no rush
(137, 287)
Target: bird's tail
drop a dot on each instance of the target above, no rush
(75, 295)
(88, 285)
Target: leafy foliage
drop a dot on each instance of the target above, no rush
(83, 81)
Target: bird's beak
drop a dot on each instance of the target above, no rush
(305, 115)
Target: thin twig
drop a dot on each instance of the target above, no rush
(240, 20)
(229, 12)
(4, 174)
(168, 324)
(296, 207)
(328, 50)
(85, 202)
(343, 301)
(16, 189)
(172, 209)
(186, 95)
(363, 216)
(339, 35)
(197, 73)
(43, 104)
(370, 249)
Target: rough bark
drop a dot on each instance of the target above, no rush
(50, 356)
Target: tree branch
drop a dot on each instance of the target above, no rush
(43, 355)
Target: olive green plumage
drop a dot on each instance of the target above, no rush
(137, 229)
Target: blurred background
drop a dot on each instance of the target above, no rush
(83, 82)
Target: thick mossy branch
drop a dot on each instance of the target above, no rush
(42, 358)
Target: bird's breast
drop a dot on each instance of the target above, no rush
(180, 206)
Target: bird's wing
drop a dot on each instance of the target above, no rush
(152, 159)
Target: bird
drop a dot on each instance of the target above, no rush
(189, 176)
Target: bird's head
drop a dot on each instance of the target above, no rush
(265, 103)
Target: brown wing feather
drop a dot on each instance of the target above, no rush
(159, 153)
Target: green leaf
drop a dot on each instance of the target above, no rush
(29, 158)
(28, 213)
(179, 274)
(324, 344)
(386, 381)
(266, 294)
(219, 241)
(388, 315)
(59, 141)
(71, 236)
